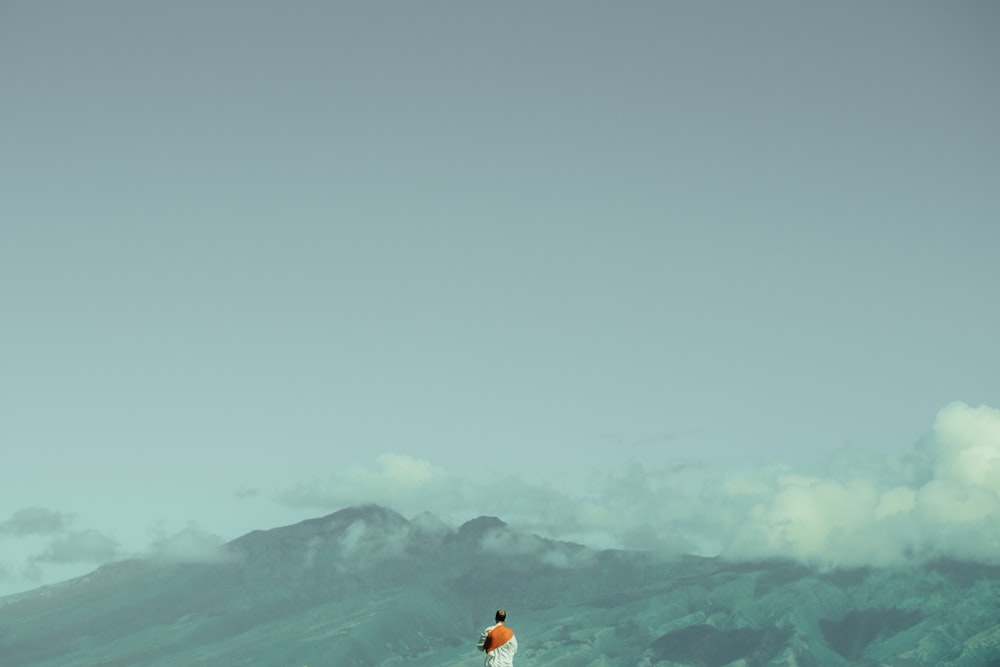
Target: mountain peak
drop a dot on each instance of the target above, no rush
(481, 524)
(336, 590)
(369, 513)
(374, 516)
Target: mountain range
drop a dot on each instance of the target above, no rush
(368, 587)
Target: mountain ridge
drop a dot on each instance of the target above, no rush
(337, 589)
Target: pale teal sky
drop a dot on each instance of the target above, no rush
(246, 245)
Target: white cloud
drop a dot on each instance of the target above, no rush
(947, 503)
(941, 498)
(362, 544)
(394, 481)
(968, 449)
(898, 501)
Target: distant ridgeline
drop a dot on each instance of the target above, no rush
(367, 587)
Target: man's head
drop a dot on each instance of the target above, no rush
(501, 616)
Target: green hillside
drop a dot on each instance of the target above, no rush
(367, 587)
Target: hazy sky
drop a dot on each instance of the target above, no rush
(261, 260)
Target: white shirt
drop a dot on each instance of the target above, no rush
(502, 656)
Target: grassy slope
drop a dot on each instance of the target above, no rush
(327, 593)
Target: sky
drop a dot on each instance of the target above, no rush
(703, 276)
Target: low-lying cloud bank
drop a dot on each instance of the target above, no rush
(939, 499)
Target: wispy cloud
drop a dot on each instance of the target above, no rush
(85, 546)
(505, 542)
(394, 480)
(39, 540)
(189, 545)
(36, 521)
(407, 484)
(940, 498)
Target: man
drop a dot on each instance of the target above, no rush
(499, 642)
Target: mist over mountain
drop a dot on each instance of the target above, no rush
(939, 498)
(367, 586)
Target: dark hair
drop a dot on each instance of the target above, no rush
(501, 616)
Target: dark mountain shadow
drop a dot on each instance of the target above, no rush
(777, 575)
(706, 646)
(966, 573)
(847, 577)
(851, 635)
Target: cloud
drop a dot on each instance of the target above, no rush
(507, 543)
(409, 484)
(85, 546)
(968, 446)
(36, 521)
(940, 498)
(394, 480)
(190, 545)
(40, 543)
(362, 543)
(606, 519)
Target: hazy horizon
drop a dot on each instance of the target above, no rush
(682, 276)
